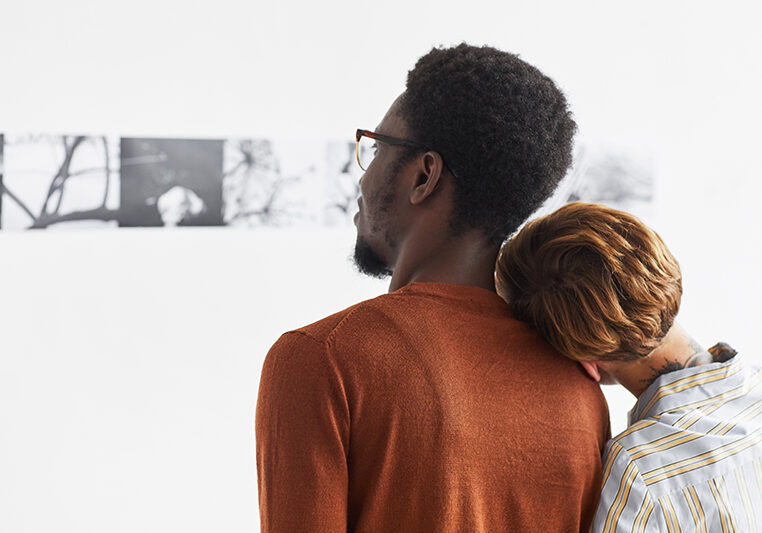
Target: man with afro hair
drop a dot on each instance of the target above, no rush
(431, 408)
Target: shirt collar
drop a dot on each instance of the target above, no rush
(676, 389)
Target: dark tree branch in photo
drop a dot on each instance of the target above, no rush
(108, 171)
(100, 213)
(57, 184)
(5, 190)
(50, 213)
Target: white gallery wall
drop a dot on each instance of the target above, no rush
(129, 358)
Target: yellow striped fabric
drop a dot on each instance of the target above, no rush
(707, 458)
(669, 514)
(707, 376)
(697, 511)
(691, 459)
(643, 515)
(743, 489)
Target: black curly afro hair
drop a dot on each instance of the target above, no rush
(502, 127)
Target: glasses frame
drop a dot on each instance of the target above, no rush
(386, 139)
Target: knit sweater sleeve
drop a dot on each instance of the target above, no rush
(302, 438)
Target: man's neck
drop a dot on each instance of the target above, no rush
(464, 260)
(677, 351)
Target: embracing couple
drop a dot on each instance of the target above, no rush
(467, 398)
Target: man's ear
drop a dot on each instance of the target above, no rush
(591, 367)
(428, 172)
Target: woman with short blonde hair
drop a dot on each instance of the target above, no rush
(594, 281)
(603, 289)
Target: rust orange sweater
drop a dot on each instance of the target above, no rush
(428, 409)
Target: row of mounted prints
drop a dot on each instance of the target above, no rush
(77, 181)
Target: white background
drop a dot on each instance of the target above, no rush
(129, 359)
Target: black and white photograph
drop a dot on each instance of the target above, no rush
(59, 181)
(618, 175)
(171, 182)
(272, 182)
(342, 183)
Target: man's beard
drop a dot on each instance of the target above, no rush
(365, 258)
(368, 262)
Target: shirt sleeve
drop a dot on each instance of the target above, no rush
(625, 503)
(302, 437)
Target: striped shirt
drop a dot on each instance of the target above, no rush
(691, 459)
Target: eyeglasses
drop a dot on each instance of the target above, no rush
(366, 146)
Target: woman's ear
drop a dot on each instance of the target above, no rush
(591, 367)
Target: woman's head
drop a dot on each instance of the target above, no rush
(595, 282)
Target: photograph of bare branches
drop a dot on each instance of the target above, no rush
(59, 181)
(619, 176)
(274, 183)
(342, 183)
(171, 182)
(68, 181)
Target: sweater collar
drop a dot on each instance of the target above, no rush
(453, 291)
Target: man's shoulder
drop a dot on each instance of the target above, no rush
(305, 349)
(314, 342)
(359, 313)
